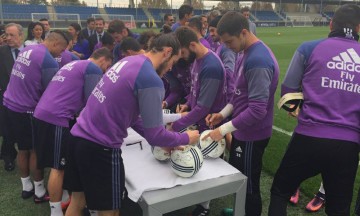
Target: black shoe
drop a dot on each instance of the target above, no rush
(200, 211)
(9, 166)
(27, 194)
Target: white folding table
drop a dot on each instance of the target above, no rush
(158, 190)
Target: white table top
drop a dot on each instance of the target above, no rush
(144, 173)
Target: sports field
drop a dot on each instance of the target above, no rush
(283, 42)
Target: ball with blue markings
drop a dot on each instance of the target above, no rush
(160, 154)
(186, 163)
(209, 147)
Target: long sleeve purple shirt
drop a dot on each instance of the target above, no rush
(208, 91)
(256, 78)
(130, 89)
(31, 73)
(327, 72)
(67, 92)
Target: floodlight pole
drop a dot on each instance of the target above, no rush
(1, 13)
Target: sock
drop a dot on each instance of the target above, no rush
(321, 189)
(65, 196)
(206, 205)
(93, 212)
(26, 184)
(39, 188)
(55, 208)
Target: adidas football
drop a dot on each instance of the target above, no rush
(186, 163)
(209, 147)
(160, 154)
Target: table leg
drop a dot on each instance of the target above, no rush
(239, 200)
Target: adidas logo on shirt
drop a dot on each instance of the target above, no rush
(347, 61)
(238, 149)
(24, 57)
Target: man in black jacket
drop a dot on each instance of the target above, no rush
(14, 39)
(90, 29)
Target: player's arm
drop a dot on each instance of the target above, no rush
(259, 81)
(151, 113)
(49, 68)
(176, 91)
(228, 59)
(116, 53)
(93, 75)
(210, 81)
(294, 74)
(138, 127)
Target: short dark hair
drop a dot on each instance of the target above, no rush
(244, 9)
(183, 10)
(185, 35)
(100, 19)
(215, 21)
(347, 16)
(90, 19)
(64, 35)
(145, 38)
(43, 19)
(130, 43)
(166, 29)
(107, 39)
(116, 26)
(165, 40)
(166, 16)
(232, 23)
(195, 22)
(102, 52)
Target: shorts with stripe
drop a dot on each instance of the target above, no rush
(22, 127)
(51, 143)
(98, 171)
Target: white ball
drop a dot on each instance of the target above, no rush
(211, 148)
(160, 154)
(186, 163)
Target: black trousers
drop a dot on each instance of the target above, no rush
(8, 150)
(246, 156)
(336, 160)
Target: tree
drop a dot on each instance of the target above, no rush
(154, 4)
(197, 4)
(65, 2)
(228, 5)
(265, 6)
(36, 2)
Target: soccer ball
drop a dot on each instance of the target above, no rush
(211, 148)
(159, 153)
(186, 163)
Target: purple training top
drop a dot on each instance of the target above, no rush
(66, 57)
(208, 91)
(327, 72)
(67, 92)
(179, 84)
(256, 78)
(204, 42)
(227, 57)
(129, 89)
(31, 73)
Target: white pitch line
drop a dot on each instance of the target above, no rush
(282, 130)
(286, 132)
